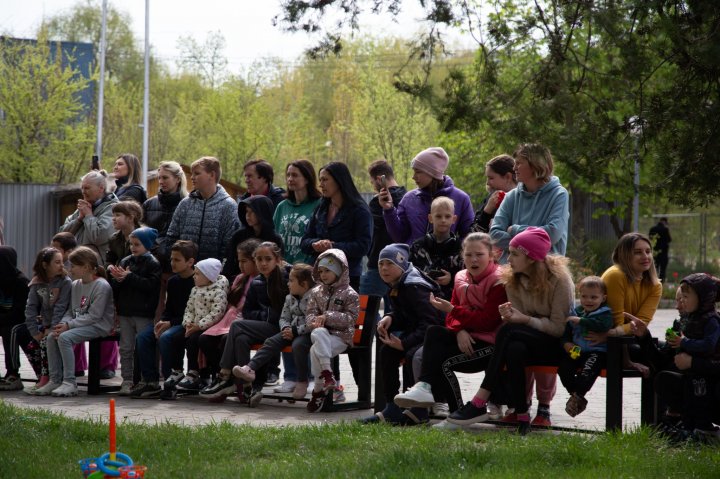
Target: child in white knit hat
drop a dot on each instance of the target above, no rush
(205, 307)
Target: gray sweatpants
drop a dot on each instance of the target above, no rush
(130, 326)
(61, 358)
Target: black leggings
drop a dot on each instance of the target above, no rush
(517, 346)
(579, 375)
(441, 357)
(695, 397)
(212, 347)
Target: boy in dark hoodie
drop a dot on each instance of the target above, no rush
(696, 337)
(256, 221)
(402, 331)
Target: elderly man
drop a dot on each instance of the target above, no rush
(91, 223)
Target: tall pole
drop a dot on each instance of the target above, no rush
(636, 199)
(101, 88)
(146, 97)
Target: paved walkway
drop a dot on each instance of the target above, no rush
(194, 411)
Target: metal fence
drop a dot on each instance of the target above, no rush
(31, 216)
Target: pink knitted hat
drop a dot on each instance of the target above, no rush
(534, 242)
(433, 161)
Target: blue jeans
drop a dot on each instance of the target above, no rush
(147, 345)
(372, 285)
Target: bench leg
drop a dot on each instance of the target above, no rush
(613, 411)
(364, 373)
(648, 402)
(93, 380)
(379, 390)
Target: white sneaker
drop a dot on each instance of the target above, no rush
(286, 387)
(495, 412)
(66, 390)
(440, 409)
(420, 395)
(447, 426)
(47, 389)
(126, 388)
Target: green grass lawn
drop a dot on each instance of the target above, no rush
(38, 444)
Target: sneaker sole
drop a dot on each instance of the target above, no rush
(406, 402)
(465, 422)
(222, 392)
(65, 395)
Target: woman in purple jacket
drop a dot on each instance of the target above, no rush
(409, 220)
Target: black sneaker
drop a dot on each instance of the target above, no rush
(174, 379)
(220, 387)
(191, 382)
(150, 390)
(468, 414)
(168, 394)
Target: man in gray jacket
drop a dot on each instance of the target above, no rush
(208, 215)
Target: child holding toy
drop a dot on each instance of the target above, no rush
(584, 361)
(333, 308)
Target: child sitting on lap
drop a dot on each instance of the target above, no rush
(584, 361)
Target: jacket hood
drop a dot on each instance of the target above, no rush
(546, 188)
(706, 287)
(338, 254)
(8, 264)
(415, 276)
(263, 208)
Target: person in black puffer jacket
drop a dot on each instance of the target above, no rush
(158, 210)
(127, 171)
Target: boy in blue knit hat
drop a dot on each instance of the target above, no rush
(402, 331)
(136, 285)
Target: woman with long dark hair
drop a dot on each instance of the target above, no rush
(342, 220)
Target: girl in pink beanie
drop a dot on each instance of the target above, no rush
(541, 296)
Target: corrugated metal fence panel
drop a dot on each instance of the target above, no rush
(31, 216)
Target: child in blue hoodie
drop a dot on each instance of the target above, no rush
(584, 361)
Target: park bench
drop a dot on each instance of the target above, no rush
(614, 375)
(362, 352)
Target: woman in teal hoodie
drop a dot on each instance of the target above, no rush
(541, 201)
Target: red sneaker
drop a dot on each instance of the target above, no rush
(541, 420)
(510, 418)
(329, 383)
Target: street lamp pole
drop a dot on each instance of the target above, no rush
(636, 130)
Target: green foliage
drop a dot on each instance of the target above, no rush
(43, 135)
(52, 445)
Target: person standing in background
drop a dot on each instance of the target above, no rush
(660, 236)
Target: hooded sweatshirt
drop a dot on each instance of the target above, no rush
(338, 301)
(409, 220)
(701, 330)
(291, 220)
(47, 303)
(275, 193)
(94, 231)
(13, 288)
(547, 208)
(263, 208)
(209, 223)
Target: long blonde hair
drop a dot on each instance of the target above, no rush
(539, 274)
(174, 168)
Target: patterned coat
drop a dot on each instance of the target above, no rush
(207, 304)
(338, 302)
